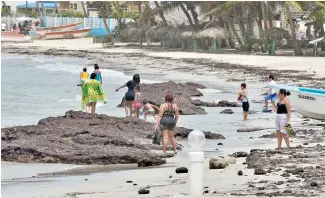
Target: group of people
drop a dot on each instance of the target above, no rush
(282, 108)
(167, 118)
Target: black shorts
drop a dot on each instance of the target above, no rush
(245, 106)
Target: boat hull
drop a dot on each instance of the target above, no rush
(66, 34)
(308, 104)
(58, 28)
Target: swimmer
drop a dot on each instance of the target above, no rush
(149, 109)
(99, 74)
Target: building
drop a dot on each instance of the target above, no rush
(50, 7)
(71, 5)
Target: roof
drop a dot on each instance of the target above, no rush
(47, 4)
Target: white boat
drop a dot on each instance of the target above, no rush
(65, 34)
(307, 101)
(58, 28)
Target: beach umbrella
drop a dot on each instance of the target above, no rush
(277, 33)
(135, 33)
(214, 33)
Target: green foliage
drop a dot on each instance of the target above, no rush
(72, 13)
(32, 14)
(4, 12)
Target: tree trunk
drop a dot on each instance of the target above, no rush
(26, 6)
(139, 7)
(7, 9)
(37, 9)
(186, 14)
(269, 12)
(296, 45)
(196, 20)
(261, 34)
(161, 14)
(263, 15)
(57, 9)
(43, 14)
(105, 7)
(84, 9)
(232, 28)
(230, 40)
(241, 24)
(222, 24)
(322, 33)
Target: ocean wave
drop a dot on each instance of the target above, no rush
(210, 91)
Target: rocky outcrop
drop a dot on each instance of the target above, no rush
(81, 138)
(227, 111)
(155, 94)
(183, 133)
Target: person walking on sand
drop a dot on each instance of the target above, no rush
(137, 104)
(271, 93)
(99, 74)
(283, 115)
(92, 93)
(167, 121)
(149, 109)
(130, 95)
(243, 97)
(3, 26)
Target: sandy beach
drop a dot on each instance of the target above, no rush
(213, 70)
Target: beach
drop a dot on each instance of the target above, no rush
(220, 73)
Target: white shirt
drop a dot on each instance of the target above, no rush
(3, 26)
(271, 84)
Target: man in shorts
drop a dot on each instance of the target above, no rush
(272, 95)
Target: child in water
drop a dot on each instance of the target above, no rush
(83, 76)
(137, 104)
(149, 109)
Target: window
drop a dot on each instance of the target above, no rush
(75, 6)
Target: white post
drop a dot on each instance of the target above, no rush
(196, 163)
(195, 175)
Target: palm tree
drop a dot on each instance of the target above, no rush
(161, 13)
(84, 9)
(6, 8)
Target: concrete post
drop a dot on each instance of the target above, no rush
(195, 176)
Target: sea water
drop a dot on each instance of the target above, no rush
(36, 87)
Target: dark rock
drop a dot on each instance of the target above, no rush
(313, 184)
(217, 163)
(285, 175)
(150, 161)
(182, 95)
(206, 191)
(263, 182)
(143, 191)
(239, 154)
(220, 143)
(251, 186)
(260, 188)
(181, 170)
(129, 181)
(240, 173)
(135, 184)
(86, 179)
(224, 103)
(259, 171)
(305, 143)
(280, 183)
(182, 133)
(272, 135)
(287, 191)
(227, 111)
(82, 138)
(170, 176)
(292, 180)
(251, 129)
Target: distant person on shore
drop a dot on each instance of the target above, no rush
(243, 97)
(149, 109)
(130, 94)
(271, 93)
(99, 74)
(283, 115)
(83, 76)
(92, 93)
(167, 120)
(137, 104)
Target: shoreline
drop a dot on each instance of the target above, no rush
(224, 173)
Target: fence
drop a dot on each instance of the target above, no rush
(91, 22)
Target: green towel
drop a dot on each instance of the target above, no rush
(92, 91)
(290, 130)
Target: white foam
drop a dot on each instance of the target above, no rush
(210, 90)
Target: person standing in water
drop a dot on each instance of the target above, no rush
(167, 120)
(149, 109)
(92, 93)
(137, 101)
(130, 94)
(283, 115)
(83, 76)
(271, 93)
(99, 74)
(243, 97)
